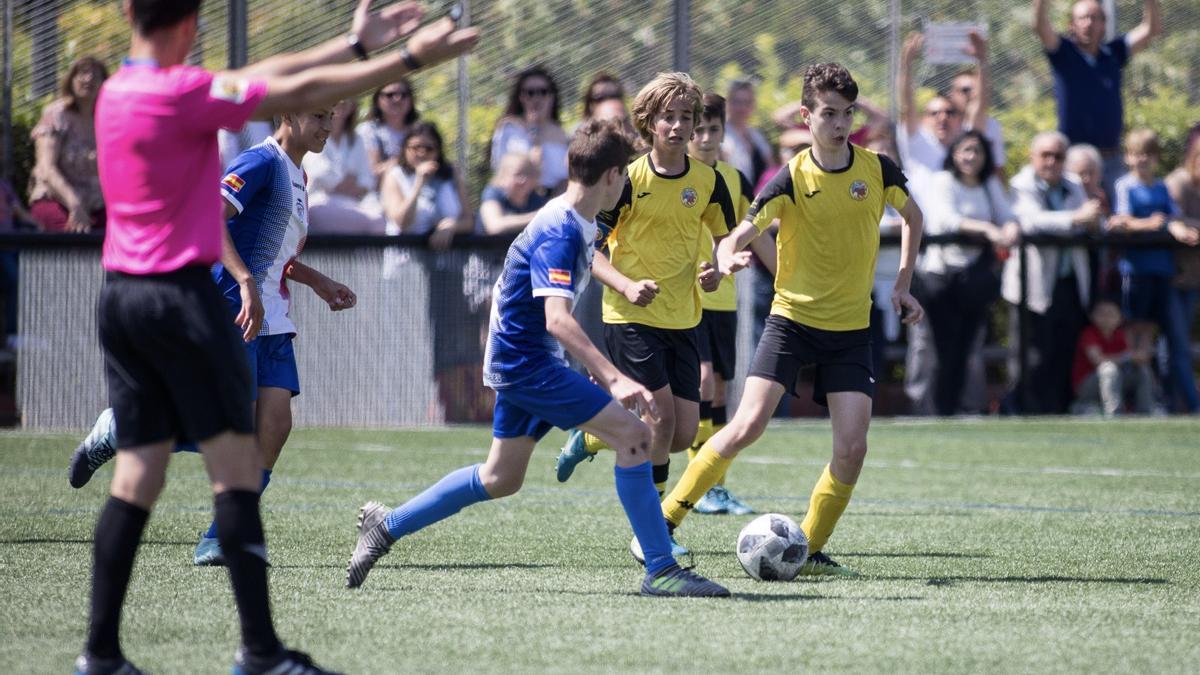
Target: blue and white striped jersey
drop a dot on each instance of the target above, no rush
(551, 257)
(269, 230)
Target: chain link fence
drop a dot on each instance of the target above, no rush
(768, 42)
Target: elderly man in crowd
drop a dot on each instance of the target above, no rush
(1047, 200)
(1087, 75)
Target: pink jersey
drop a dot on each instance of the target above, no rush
(156, 148)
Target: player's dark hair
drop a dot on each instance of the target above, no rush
(411, 117)
(824, 77)
(428, 130)
(517, 109)
(151, 15)
(985, 148)
(66, 91)
(714, 107)
(596, 147)
(602, 87)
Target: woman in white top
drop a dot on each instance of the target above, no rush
(420, 194)
(393, 111)
(531, 125)
(341, 186)
(959, 282)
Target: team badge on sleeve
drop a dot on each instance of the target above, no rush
(234, 182)
(559, 277)
(229, 88)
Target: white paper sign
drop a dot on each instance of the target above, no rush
(948, 43)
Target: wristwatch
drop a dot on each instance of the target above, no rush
(409, 60)
(356, 46)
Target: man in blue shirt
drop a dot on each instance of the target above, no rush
(1087, 75)
(545, 270)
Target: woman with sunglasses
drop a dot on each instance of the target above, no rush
(531, 125)
(420, 192)
(393, 112)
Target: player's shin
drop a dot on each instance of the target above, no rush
(701, 474)
(635, 489)
(829, 499)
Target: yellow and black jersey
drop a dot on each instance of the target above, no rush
(828, 235)
(724, 299)
(656, 232)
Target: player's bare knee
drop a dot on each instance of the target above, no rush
(499, 483)
(634, 440)
(852, 451)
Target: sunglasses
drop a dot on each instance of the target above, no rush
(604, 96)
(394, 95)
(532, 93)
(1057, 156)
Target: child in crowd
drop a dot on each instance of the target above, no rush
(1106, 370)
(513, 197)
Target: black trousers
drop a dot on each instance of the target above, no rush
(1052, 339)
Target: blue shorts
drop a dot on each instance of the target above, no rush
(273, 363)
(563, 399)
(1145, 297)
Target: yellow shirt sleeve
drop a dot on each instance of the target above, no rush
(775, 196)
(895, 185)
(719, 215)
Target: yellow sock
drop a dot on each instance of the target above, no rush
(701, 474)
(703, 432)
(715, 429)
(593, 444)
(829, 498)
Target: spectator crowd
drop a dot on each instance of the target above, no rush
(1109, 329)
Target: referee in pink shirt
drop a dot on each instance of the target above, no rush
(175, 363)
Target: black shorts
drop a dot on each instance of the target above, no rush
(842, 358)
(656, 357)
(716, 337)
(175, 363)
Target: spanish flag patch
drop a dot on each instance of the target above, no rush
(234, 182)
(561, 277)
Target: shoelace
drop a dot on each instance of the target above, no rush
(98, 457)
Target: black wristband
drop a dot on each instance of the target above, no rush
(409, 60)
(356, 46)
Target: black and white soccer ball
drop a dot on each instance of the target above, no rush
(772, 547)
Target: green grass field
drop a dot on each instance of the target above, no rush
(988, 546)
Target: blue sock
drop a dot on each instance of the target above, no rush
(441, 500)
(186, 447)
(635, 489)
(212, 527)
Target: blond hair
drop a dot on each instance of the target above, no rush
(1143, 140)
(658, 94)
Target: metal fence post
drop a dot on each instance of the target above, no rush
(682, 39)
(462, 146)
(239, 44)
(6, 160)
(894, 14)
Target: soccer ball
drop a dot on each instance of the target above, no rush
(772, 547)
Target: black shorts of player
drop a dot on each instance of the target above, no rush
(656, 357)
(716, 337)
(842, 358)
(175, 363)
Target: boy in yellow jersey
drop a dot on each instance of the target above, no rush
(829, 200)
(672, 208)
(717, 332)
